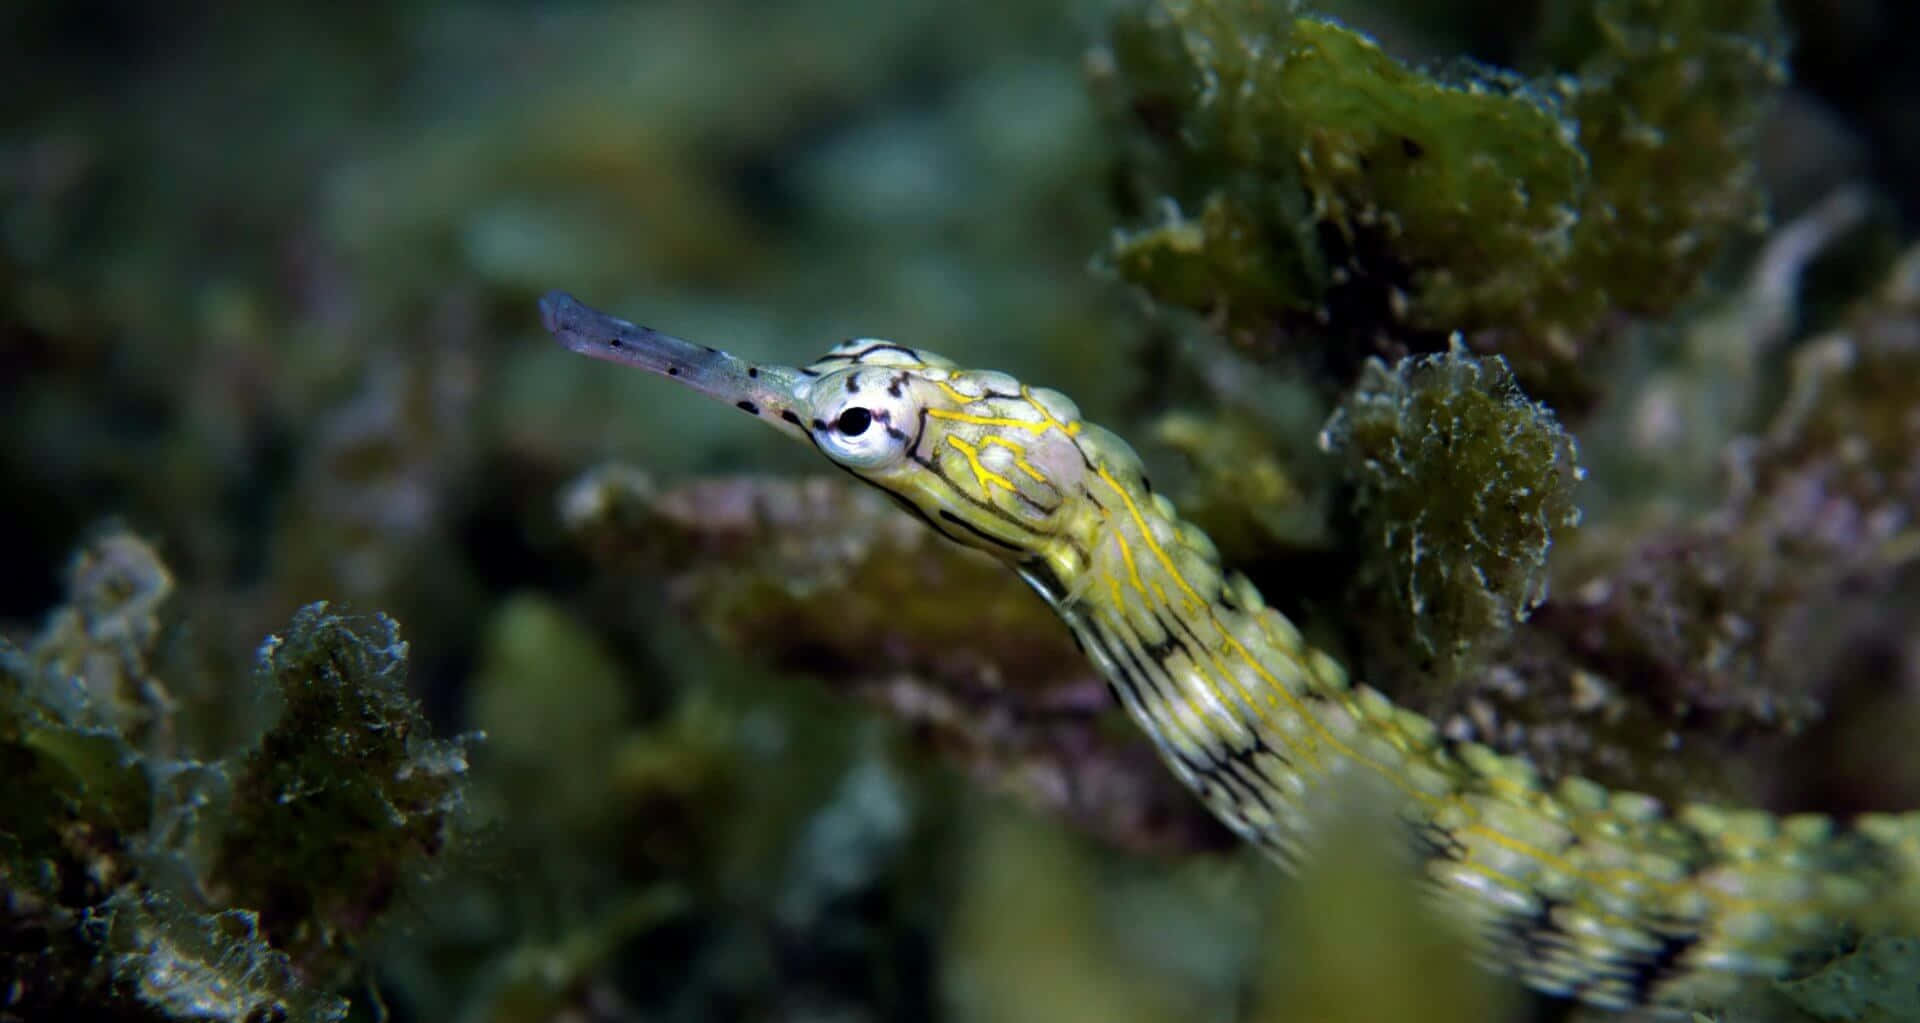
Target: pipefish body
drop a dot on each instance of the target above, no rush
(1612, 898)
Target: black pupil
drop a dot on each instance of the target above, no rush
(854, 421)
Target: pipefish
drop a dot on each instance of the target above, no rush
(1612, 898)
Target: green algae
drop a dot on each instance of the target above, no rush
(1306, 188)
(1460, 487)
(1873, 984)
(147, 885)
(1756, 622)
(346, 799)
(107, 632)
(1319, 164)
(1668, 96)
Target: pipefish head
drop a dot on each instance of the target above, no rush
(982, 458)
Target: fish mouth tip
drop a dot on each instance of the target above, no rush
(554, 306)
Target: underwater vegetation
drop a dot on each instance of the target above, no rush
(1293, 178)
(145, 883)
(1415, 439)
(1565, 393)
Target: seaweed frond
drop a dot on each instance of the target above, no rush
(1460, 484)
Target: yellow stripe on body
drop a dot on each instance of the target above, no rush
(1119, 620)
(1606, 878)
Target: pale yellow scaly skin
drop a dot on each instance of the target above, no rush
(1608, 897)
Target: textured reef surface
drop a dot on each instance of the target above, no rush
(1556, 365)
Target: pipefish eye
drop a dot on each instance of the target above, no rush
(854, 421)
(864, 427)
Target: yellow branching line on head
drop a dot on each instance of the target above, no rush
(986, 477)
(959, 396)
(950, 415)
(1019, 457)
(1070, 429)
